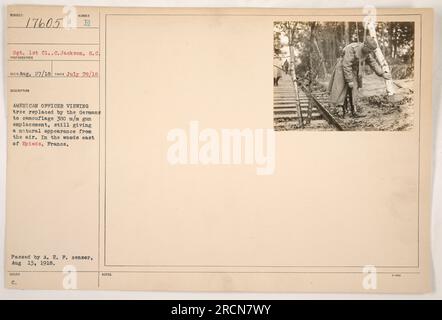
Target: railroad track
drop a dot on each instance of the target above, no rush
(308, 111)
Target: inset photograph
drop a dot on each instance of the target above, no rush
(343, 76)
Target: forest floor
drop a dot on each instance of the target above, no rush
(377, 111)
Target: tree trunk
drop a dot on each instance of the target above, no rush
(293, 75)
(390, 40)
(314, 42)
(321, 57)
(346, 33)
(381, 59)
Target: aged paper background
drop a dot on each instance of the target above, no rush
(153, 226)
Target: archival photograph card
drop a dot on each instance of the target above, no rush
(247, 150)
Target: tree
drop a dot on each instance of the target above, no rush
(314, 41)
(347, 32)
(371, 27)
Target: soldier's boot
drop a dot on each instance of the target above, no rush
(344, 108)
(354, 112)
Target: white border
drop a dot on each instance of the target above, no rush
(437, 153)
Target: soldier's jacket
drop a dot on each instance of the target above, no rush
(351, 57)
(346, 70)
(277, 67)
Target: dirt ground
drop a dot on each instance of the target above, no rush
(377, 110)
(285, 124)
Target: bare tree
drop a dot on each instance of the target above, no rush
(314, 41)
(371, 27)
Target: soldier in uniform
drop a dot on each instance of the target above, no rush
(346, 78)
(277, 70)
(286, 66)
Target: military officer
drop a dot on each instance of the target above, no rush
(346, 78)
